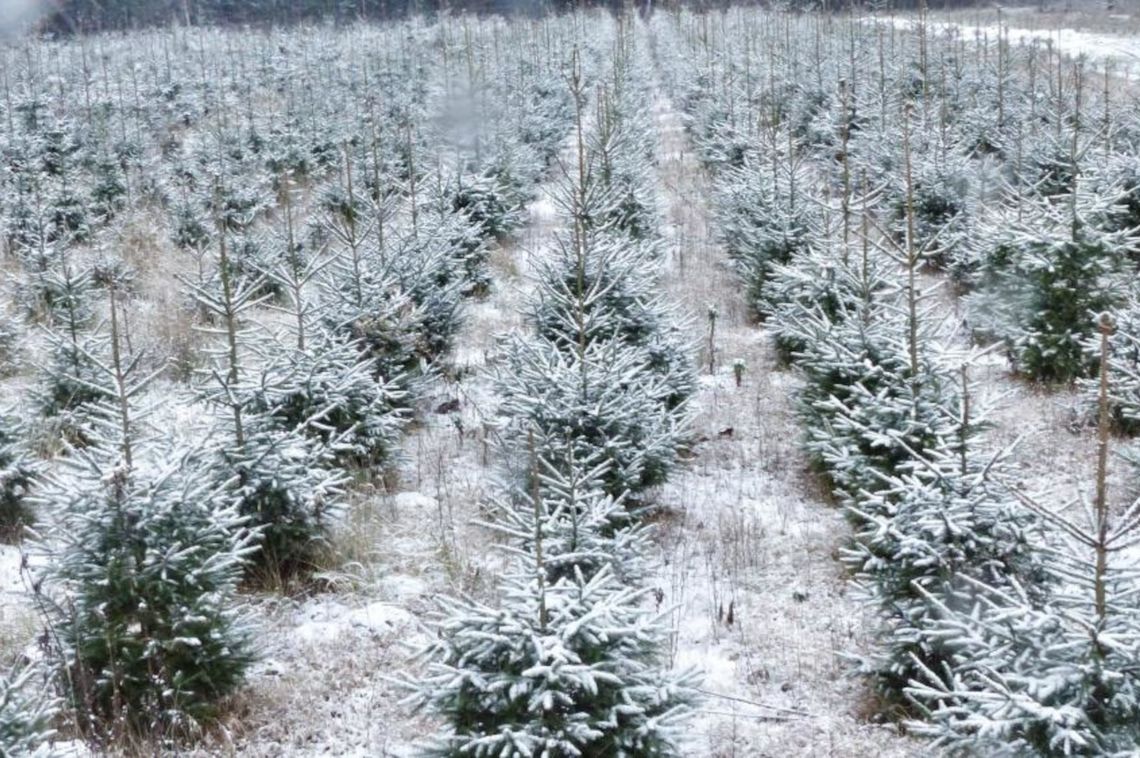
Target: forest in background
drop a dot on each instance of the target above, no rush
(81, 16)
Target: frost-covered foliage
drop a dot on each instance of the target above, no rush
(573, 667)
(1043, 287)
(1123, 367)
(603, 401)
(9, 346)
(922, 543)
(492, 201)
(288, 487)
(765, 221)
(605, 291)
(569, 662)
(27, 710)
(1056, 677)
(329, 393)
(940, 204)
(142, 578)
(582, 529)
(17, 475)
(605, 376)
(275, 463)
(875, 399)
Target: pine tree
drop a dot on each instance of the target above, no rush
(1123, 368)
(933, 533)
(582, 529)
(1041, 294)
(609, 293)
(600, 403)
(280, 472)
(141, 572)
(765, 222)
(566, 669)
(142, 580)
(329, 393)
(1059, 678)
(26, 713)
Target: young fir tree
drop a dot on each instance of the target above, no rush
(66, 385)
(1060, 678)
(602, 402)
(278, 474)
(608, 293)
(1041, 290)
(1123, 368)
(27, 710)
(141, 574)
(582, 528)
(877, 398)
(931, 533)
(1045, 283)
(765, 221)
(583, 383)
(561, 669)
(332, 395)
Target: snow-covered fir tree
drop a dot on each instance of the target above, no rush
(27, 712)
(603, 401)
(280, 473)
(1059, 677)
(567, 668)
(142, 567)
(1042, 286)
(1123, 367)
(925, 539)
(765, 220)
(329, 393)
(607, 291)
(582, 529)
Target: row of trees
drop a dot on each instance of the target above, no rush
(850, 196)
(328, 271)
(86, 16)
(571, 660)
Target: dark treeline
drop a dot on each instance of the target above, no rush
(77, 16)
(72, 16)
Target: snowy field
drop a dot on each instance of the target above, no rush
(301, 280)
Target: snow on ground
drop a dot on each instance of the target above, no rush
(749, 545)
(1122, 52)
(747, 541)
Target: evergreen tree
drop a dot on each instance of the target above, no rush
(1059, 678)
(765, 222)
(600, 403)
(1123, 368)
(582, 529)
(331, 394)
(26, 713)
(608, 293)
(566, 669)
(1042, 292)
(142, 580)
(279, 470)
(924, 541)
(141, 572)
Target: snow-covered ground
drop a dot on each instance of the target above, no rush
(1121, 52)
(746, 543)
(761, 604)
